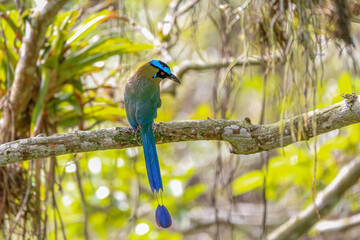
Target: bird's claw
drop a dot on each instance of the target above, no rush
(135, 129)
(137, 135)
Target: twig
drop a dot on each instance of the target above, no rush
(24, 203)
(245, 219)
(83, 201)
(171, 18)
(188, 66)
(224, 63)
(57, 211)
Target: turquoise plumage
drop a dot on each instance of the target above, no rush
(142, 99)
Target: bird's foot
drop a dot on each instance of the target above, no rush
(135, 129)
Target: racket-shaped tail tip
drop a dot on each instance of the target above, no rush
(163, 218)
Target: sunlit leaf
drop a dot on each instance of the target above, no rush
(103, 45)
(202, 112)
(193, 192)
(344, 86)
(95, 53)
(88, 25)
(11, 19)
(247, 182)
(85, 59)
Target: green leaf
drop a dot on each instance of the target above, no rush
(76, 106)
(247, 182)
(88, 25)
(55, 51)
(103, 45)
(193, 192)
(69, 117)
(102, 51)
(11, 20)
(39, 106)
(104, 113)
(344, 86)
(98, 52)
(65, 20)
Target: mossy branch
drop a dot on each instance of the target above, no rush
(244, 137)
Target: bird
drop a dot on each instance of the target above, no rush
(142, 99)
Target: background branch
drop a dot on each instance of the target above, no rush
(202, 66)
(326, 200)
(248, 215)
(338, 225)
(171, 17)
(244, 137)
(188, 66)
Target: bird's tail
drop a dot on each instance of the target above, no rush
(163, 218)
(151, 158)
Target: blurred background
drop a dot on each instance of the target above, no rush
(265, 60)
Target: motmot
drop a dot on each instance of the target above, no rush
(142, 99)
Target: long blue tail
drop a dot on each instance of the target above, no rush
(162, 215)
(151, 158)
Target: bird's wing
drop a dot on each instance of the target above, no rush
(130, 108)
(146, 109)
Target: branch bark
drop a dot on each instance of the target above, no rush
(244, 137)
(338, 225)
(326, 200)
(25, 79)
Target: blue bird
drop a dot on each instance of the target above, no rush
(142, 99)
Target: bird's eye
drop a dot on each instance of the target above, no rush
(162, 73)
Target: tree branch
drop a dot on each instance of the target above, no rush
(188, 66)
(338, 225)
(246, 217)
(171, 17)
(244, 137)
(25, 79)
(201, 66)
(326, 200)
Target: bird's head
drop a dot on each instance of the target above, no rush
(163, 70)
(157, 70)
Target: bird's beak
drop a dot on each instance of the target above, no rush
(174, 78)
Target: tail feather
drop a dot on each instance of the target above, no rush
(162, 215)
(151, 158)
